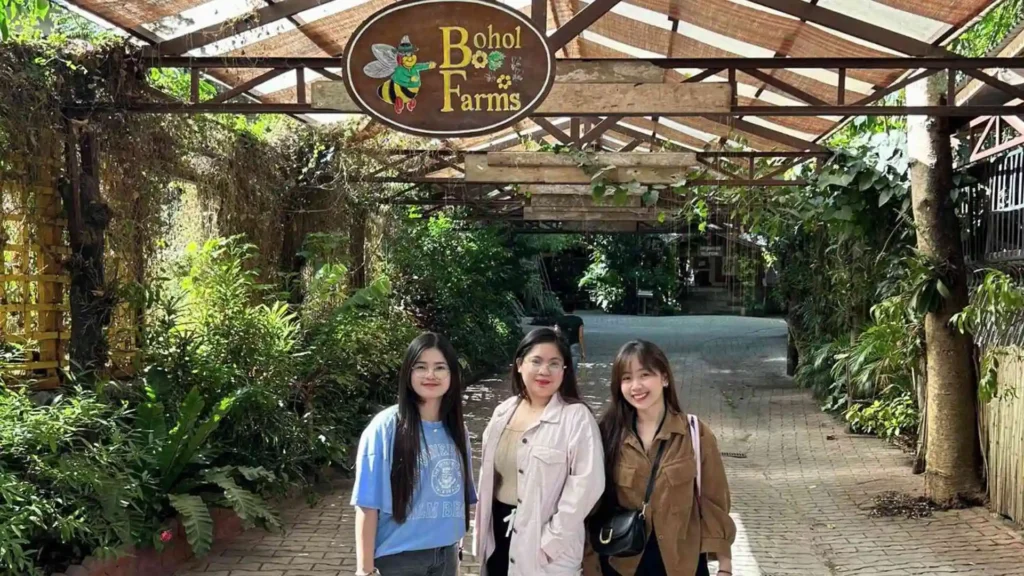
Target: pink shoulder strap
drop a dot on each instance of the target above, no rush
(695, 439)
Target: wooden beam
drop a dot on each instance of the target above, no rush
(562, 169)
(636, 99)
(233, 27)
(613, 72)
(580, 22)
(247, 85)
(600, 129)
(589, 214)
(619, 160)
(1006, 87)
(586, 99)
(553, 130)
(854, 27)
(539, 14)
(631, 146)
(767, 133)
(788, 88)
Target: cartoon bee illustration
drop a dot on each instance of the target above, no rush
(402, 71)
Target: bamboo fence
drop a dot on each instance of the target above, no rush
(33, 246)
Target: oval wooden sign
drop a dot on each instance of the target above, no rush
(446, 68)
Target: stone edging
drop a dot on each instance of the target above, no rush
(149, 562)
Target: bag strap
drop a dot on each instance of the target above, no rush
(695, 440)
(654, 473)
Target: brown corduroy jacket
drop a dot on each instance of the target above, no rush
(685, 525)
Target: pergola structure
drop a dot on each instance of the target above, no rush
(794, 70)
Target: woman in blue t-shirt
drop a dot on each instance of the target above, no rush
(414, 473)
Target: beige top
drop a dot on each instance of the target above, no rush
(505, 466)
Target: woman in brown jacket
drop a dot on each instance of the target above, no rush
(644, 414)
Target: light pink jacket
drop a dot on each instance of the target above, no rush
(561, 478)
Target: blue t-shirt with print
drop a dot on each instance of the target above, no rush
(437, 517)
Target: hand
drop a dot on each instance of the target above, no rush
(431, 65)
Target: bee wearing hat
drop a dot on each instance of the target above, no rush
(402, 71)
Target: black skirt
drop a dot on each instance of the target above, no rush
(497, 563)
(651, 563)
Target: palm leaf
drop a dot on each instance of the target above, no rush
(195, 516)
(249, 506)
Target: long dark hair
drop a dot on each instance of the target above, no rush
(569, 390)
(406, 451)
(618, 418)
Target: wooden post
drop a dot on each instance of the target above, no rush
(50, 296)
(953, 462)
(91, 305)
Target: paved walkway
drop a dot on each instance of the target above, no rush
(801, 486)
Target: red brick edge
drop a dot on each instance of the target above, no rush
(150, 562)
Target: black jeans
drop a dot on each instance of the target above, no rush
(651, 563)
(497, 563)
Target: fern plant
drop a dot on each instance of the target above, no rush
(183, 453)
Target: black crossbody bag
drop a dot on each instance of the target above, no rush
(623, 532)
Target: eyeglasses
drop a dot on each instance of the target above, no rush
(438, 371)
(536, 364)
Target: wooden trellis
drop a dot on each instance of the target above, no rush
(33, 298)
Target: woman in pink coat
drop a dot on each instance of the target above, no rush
(542, 471)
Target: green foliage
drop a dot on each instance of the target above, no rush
(24, 13)
(195, 516)
(889, 418)
(987, 33)
(993, 317)
(883, 359)
(349, 369)
(213, 329)
(815, 372)
(461, 284)
(61, 463)
(623, 264)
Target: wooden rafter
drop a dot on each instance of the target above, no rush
(580, 22)
(767, 133)
(599, 129)
(551, 129)
(222, 30)
(854, 27)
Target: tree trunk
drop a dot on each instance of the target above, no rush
(292, 261)
(91, 303)
(921, 389)
(953, 463)
(357, 249)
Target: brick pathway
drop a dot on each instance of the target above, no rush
(801, 486)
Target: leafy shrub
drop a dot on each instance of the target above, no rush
(995, 317)
(816, 373)
(59, 466)
(883, 359)
(212, 328)
(887, 417)
(179, 460)
(461, 284)
(621, 265)
(351, 364)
